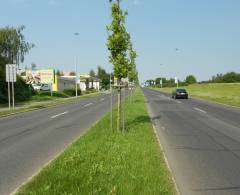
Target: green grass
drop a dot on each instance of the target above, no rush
(107, 162)
(226, 93)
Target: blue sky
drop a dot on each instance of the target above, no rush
(207, 33)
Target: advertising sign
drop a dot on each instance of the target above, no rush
(40, 76)
(46, 75)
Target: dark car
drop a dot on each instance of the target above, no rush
(180, 93)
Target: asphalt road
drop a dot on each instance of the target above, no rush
(31, 139)
(201, 141)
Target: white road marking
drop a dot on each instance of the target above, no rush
(179, 102)
(55, 116)
(200, 110)
(102, 99)
(88, 105)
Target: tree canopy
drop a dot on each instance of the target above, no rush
(118, 42)
(190, 79)
(13, 48)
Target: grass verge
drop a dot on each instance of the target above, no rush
(226, 93)
(107, 162)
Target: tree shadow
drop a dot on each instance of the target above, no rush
(143, 119)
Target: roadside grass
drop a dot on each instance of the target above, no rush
(107, 162)
(226, 93)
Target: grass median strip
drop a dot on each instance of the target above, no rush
(106, 162)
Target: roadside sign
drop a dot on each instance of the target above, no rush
(11, 73)
(176, 80)
(161, 83)
(11, 77)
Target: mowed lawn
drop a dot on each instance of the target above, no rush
(107, 162)
(226, 93)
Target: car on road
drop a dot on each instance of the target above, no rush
(180, 93)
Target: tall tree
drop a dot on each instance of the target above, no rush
(104, 76)
(92, 73)
(72, 73)
(190, 79)
(13, 46)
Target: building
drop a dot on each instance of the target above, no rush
(88, 82)
(60, 83)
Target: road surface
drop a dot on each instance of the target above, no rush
(31, 139)
(201, 141)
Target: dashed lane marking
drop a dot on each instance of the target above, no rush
(55, 116)
(86, 105)
(200, 110)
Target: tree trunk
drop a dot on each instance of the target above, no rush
(119, 109)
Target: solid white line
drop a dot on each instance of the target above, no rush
(200, 110)
(55, 116)
(88, 105)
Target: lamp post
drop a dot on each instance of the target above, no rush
(76, 79)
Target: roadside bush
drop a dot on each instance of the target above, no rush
(23, 91)
(3, 98)
(55, 94)
(89, 91)
(72, 92)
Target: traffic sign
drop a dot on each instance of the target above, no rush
(11, 73)
(176, 80)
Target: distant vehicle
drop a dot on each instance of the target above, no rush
(36, 87)
(45, 87)
(180, 93)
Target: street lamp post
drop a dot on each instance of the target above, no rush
(76, 79)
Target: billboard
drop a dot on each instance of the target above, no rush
(40, 76)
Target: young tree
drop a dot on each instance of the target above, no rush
(118, 45)
(133, 74)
